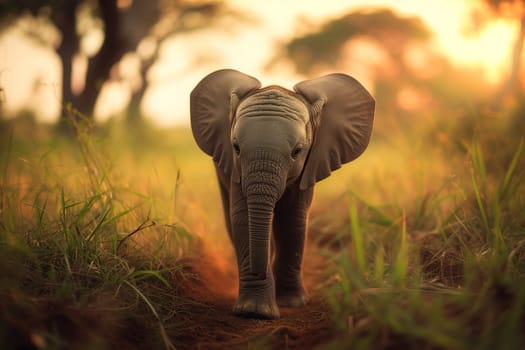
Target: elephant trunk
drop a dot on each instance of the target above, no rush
(263, 186)
(260, 219)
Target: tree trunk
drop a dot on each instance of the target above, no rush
(66, 51)
(99, 66)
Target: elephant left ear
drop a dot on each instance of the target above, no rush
(212, 103)
(343, 124)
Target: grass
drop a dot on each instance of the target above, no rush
(423, 237)
(74, 232)
(444, 269)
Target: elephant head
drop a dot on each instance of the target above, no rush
(266, 139)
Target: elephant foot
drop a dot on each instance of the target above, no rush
(256, 300)
(256, 308)
(290, 291)
(292, 298)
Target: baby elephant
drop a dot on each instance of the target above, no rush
(270, 146)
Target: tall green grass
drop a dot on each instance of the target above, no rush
(424, 240)
(76, 234)
(442, 267)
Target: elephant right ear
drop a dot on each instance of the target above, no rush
(212, 102)
(343, 126)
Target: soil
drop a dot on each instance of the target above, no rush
(213, 326)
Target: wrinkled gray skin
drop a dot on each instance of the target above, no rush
(270, 146)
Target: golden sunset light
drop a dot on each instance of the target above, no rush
(231, 174)
(248, 46)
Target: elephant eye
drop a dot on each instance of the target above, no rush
(236, 148)
(296, 151)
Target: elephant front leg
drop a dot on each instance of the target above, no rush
(290, 235)
(256, 293)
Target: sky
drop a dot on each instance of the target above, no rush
(185, 59)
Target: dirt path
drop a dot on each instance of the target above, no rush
(211, 324)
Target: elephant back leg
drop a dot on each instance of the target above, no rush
(289, 238)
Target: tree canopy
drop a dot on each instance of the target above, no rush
(382, 26)
(395, 57)
(124, 24)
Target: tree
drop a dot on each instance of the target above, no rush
(409, 79)
(390, 34)
(381, 26)
(125, 23)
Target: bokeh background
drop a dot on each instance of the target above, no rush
(138, 59)
(112, 234)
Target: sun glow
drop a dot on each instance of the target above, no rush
(489, 49)
(185, 58)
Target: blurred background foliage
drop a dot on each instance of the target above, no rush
(135, 28)
(421, 239)
(411, 79)
(394, 55)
